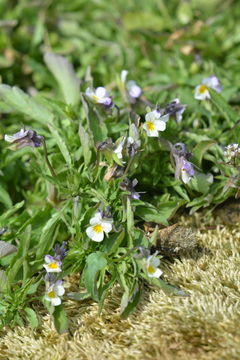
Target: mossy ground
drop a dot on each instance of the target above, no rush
(204, 325)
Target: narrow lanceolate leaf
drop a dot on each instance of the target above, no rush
(31, 317)
(95, 263)
(85, 142)
(5, 198)
(64, 73)
(200, 149)
(60, 319)
(3, 281)
(48, 235)
(61, 144)
(6, 249)
(227, 111)
(21, 102)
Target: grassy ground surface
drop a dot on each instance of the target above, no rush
(202, 326)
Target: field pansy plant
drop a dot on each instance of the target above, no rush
(202, 90)
(99, 227)
(155, 123)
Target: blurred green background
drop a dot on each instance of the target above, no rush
(160, 42)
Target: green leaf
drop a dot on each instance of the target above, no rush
(85, 142)
(4, 284)
(227, 111)
(79, 296)
(19, 101)
(60, 319)
(61, 144)
(95, 123)
(11, 211)
(94, 264)
(200, 149)
(31, 317)
(48, 236)
(5, 198)
(63, 72)
(143, 20)
(130, 303)
(159, 215)
(130, 217)
(169, 289)
(6, 248)
(113, 242)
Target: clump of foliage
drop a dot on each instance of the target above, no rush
(85, 167)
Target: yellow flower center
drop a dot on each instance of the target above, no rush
(202, 89)
(98, 228)
(151, 269)
(95, 97)
(53, 265)
(52, 294)
(150, 126)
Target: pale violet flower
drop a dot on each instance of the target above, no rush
(24, 138)
(187, 171)
(202, 90)
(134, 91)
(52, 264)
(99, 227)
(119, 149)
(175, 109)
(53, 293)
(99, 96)
(183, 168)
(150, 265)
(155, 123)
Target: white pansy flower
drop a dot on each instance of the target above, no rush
(155, 123)
(99, 227)
(151, 264)
(54, 292)
(99, 96)
(51, 264)
(202, 90)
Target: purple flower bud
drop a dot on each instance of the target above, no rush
(24, 138)
(175, 109)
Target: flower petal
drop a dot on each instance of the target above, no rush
(160, 125)
(59, 290)
(101, 92)
(56, 301)
(107, 226)
(96, 218)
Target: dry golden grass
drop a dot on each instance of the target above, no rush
(203, 326)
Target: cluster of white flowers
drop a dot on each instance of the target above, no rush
(232, 151)
(54, 287)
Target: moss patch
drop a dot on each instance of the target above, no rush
(204, 325)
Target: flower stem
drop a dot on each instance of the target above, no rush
(52, 171)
